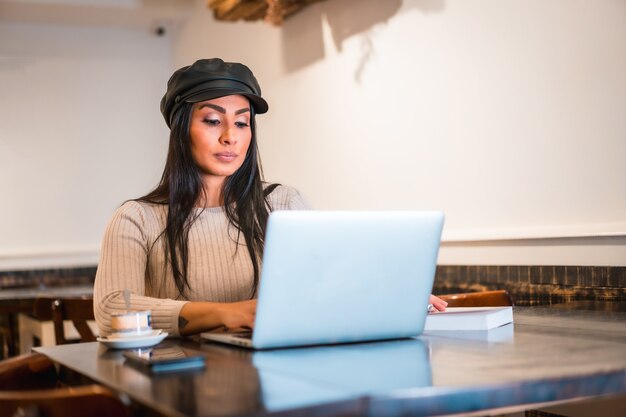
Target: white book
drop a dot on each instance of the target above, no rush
(469, 318)
(502, 334)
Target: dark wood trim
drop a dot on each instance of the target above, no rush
(71, 276)
(536, 284)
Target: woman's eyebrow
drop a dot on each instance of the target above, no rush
(222, 109)
(214, 107)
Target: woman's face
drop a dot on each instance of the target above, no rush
(220, 135)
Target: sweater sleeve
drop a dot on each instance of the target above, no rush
(123, 261)
(287, 198)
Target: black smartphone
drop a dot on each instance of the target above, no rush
(163, 359)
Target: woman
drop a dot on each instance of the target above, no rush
(190, 250)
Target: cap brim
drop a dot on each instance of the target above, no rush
(259, 104)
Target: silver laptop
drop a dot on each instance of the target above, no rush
(343, 276)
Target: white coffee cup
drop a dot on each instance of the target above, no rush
(131, 324)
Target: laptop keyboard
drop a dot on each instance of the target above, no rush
(243, 335)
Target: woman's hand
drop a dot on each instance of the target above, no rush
(198, 316)
(239, 315)
(437, 303)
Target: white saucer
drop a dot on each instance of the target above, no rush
(151, 332)
(134, 341)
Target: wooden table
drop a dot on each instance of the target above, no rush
(548, 355)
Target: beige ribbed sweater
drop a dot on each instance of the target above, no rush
(129, 258)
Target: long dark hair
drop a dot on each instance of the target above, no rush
(180, 187)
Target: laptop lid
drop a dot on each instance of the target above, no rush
(345, 276)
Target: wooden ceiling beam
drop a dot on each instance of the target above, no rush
(272, 11)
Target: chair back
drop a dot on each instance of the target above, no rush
(78, 310)
(498, 298)
(30, 371)
(28, 386)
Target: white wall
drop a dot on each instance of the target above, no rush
(508, 115)
(80, 133)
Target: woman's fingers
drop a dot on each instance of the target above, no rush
(239, 315)
(438, 303)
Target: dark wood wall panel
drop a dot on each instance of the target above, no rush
(52, 277)
(527, 284)
(536, 285)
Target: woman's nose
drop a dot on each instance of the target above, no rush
(228, 137)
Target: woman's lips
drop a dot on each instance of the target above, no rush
(226, 156)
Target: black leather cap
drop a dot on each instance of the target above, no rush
(207, 79)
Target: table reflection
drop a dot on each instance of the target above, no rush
(228, 386)
(338, 372)
(237, 381)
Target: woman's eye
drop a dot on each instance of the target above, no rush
(212, 122)
(241, 124)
